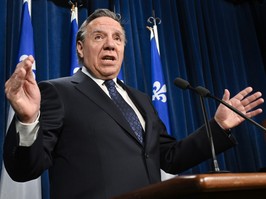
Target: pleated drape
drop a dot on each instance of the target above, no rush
(212, 43)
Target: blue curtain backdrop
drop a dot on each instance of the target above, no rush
(213, 43)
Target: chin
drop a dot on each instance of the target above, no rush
(108, 76)
(112, 74)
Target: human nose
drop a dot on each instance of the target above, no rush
(109, 44)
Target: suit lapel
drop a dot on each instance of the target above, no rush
(141, 103)
(88, 87)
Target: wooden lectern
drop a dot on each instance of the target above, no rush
(216, 185)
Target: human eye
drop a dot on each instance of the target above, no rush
(118, 38)
(98, 37)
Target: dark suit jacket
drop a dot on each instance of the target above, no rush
(89, 148)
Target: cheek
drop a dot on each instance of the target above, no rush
(121, 55)
(91, 54)
(90, 48)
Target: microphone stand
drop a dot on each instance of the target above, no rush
(203, 92)
(209, 133)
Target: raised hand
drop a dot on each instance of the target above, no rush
(244, 102)
(23, 92)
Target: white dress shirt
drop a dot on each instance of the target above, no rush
(28, 131)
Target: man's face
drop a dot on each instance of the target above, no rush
(103, 48)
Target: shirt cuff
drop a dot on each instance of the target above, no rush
(27, 132)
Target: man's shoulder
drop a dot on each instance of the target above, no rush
(57, 80)
(63, 80)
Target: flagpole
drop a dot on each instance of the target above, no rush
(74, 8)
(154, 21)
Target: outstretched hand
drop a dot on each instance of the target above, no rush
(244, 102)
(23, 92)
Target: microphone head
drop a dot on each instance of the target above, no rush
(181, 83)
(204, 92)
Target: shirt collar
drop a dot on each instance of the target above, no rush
(100, 82)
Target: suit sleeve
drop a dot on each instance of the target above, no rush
(27, 163)
(178, 156)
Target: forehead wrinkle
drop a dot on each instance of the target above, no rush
(99, 26)
(99, 30)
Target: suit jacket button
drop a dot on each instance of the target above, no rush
(146, 155)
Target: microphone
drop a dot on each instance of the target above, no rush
(181, 83)
(206, 93)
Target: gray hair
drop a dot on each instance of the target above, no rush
(96, 14)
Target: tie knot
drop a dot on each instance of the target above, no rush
(109, 83)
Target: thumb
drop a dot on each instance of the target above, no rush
(226, 95)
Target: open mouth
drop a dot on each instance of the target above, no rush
(111, 58)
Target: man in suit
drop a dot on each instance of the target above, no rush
(74, 127)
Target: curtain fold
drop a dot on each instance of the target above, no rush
(3, 72)
(212, 43)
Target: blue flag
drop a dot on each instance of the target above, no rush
(159, 95)
(26, 45)
(9, 188)
(159, 91)
(74, 66)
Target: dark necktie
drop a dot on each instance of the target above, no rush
(124, 107)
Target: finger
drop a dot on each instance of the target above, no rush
(31, 58)
(18, 77)
(22, 69)
(251, 98)
(254, 113)
(242, 94)
(27, 63)
(254, 104)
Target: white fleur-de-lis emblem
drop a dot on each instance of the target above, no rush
(159, 92)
